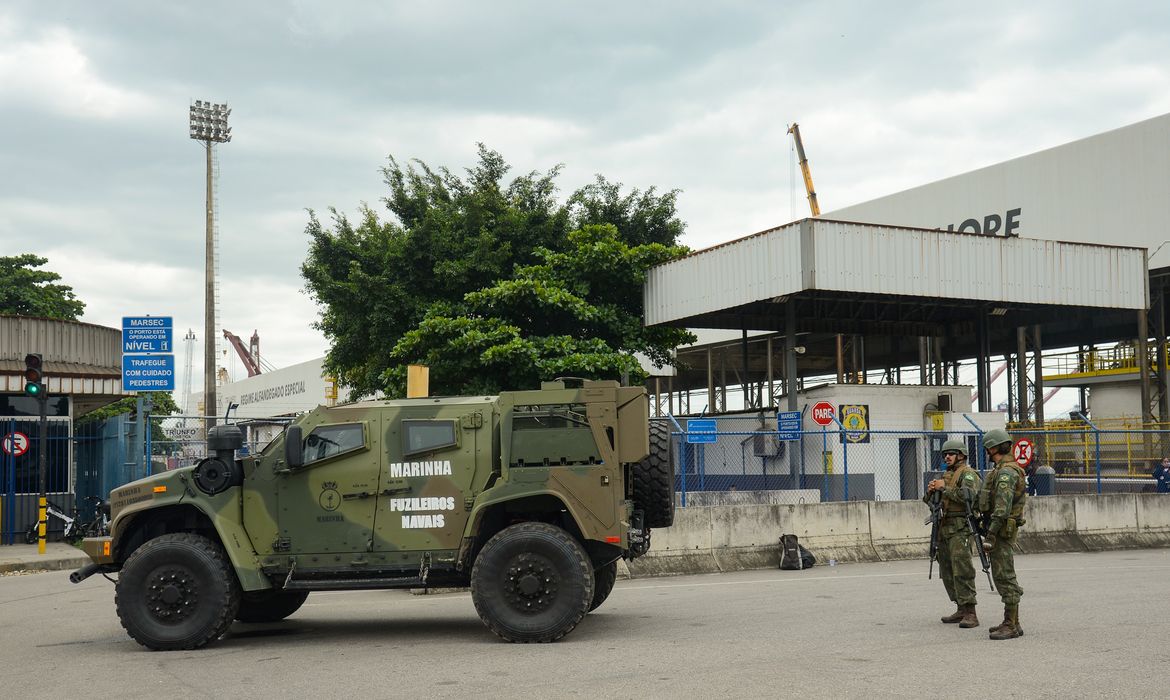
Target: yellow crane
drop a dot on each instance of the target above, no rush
(808, 184)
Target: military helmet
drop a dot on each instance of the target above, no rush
(953, 445)
(995, 437)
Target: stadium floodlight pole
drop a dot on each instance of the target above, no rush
(209, 124)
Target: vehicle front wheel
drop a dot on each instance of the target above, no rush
(177, 591)
(269, 606)
(532, 582)
(603, 580)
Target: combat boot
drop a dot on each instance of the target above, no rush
(1007, 620)
(1010, 628)
(969, 619)
(954, 617)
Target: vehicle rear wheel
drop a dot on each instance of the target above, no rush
(269, 606)
(532, 582)
(603, 580)
(177, 591)
(654, 479)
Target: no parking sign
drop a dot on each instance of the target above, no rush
(1024, 452)
(15, 444)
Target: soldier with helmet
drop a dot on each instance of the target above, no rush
(959, 487)
(1001, 502)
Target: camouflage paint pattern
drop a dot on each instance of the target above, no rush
(365, 499)
(1002, 498)
(954, 547)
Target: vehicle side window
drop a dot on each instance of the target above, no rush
(328, 440)
(427, 435)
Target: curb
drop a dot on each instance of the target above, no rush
(45, 565)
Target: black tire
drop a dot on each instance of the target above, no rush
(177, 591)
(654, 479)
(31, 534)
(532, 582)
(269, 606)
(603, 580)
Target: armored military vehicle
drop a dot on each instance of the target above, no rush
(529, 498)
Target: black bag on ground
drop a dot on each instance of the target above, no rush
(793, 555)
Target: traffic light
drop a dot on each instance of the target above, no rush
(34, 384)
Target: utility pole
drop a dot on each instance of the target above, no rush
(209, 124)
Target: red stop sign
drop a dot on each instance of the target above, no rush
(822, 413)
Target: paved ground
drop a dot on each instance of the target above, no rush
(1096, 625)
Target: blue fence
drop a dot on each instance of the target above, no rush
(837, 464)
(71, 463)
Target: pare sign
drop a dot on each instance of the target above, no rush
(822, 413)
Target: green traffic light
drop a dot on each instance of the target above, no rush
(33, 389)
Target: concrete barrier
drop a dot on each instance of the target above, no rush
(738, 537)
(1153, 513)
(1050, 525)
(898, 530)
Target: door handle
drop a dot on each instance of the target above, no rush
(394, 490)
(355, 496)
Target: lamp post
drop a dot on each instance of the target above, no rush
(209, 124)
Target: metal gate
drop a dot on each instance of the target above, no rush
(71, 461)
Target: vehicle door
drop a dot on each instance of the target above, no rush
(327, 505)
(436, 462)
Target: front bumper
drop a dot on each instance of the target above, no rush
(99, 549)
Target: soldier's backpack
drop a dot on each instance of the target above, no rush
(793, 555)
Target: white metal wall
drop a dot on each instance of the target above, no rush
(873, 259)
(1109, 188)
(762, 266)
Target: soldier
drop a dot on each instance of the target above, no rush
(959, 487)
(1001, 501)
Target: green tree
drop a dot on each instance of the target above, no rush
(576, 313)
(27, 291)
(449, 236)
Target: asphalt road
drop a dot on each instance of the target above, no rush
(1095, 626)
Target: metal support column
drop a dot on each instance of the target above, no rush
(1023, 408)
(923, 351)
(771, 379)
(1038, 382)
(1143, 365)
(710, 383)
(982, 375)
(790, 354)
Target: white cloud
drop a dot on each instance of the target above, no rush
(52, 71)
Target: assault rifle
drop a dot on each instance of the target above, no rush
(935, 520)
(977, 529)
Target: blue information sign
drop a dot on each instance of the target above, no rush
(148, 372)
(701, 430)
(147, 360)
(788, 425)
(143, 334)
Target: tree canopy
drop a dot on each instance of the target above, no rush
(28, 291)
(493, 284)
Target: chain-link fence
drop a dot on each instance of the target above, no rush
(181, 441)
(835, 464)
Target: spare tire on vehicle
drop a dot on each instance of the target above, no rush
(654, 479)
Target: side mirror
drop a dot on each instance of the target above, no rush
(294, 451)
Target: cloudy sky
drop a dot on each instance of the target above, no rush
(98, 174)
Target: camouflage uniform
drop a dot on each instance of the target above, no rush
(1002, 500)
(954, 546)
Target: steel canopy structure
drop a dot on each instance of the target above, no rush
(906, 296)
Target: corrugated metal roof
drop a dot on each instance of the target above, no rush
(818, 254)
(59, 341)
